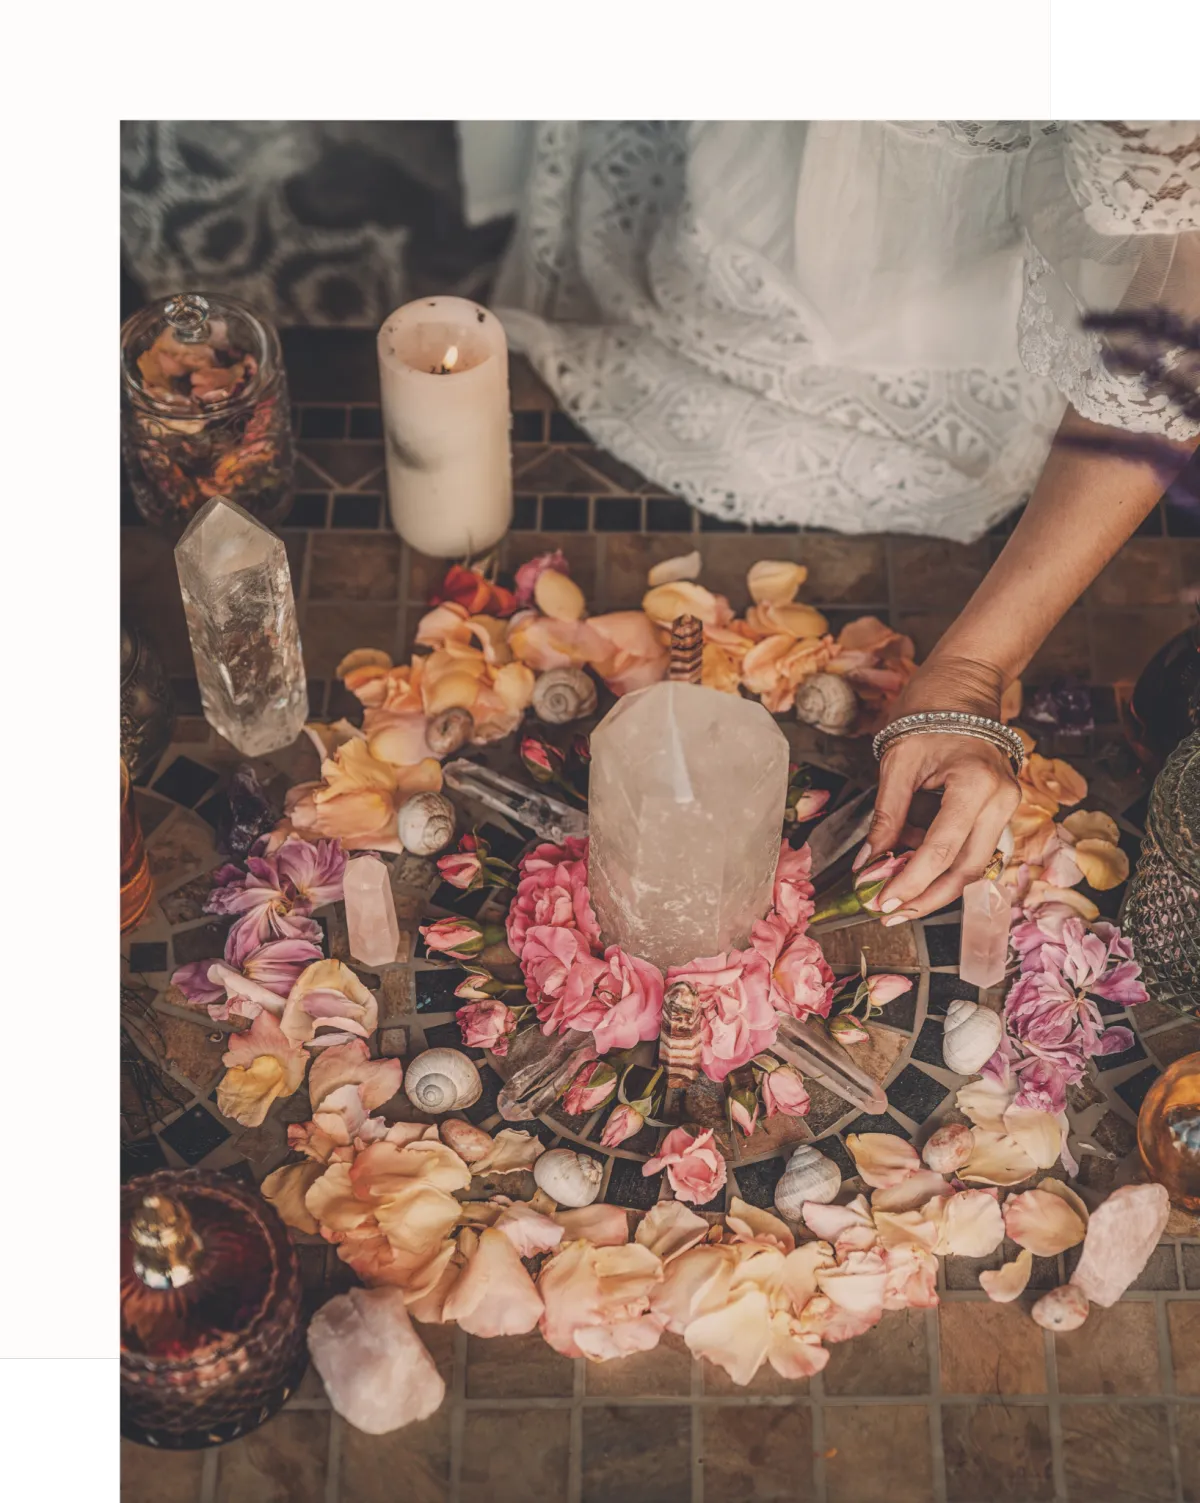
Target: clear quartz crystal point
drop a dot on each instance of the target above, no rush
(371, 923)
(241, 616)
(685, 813)
(985, 925)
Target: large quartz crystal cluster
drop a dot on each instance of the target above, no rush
(241, 616)
(685, 810)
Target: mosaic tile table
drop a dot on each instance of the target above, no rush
(971, 1403)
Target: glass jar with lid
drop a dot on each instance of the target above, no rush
(204, 411)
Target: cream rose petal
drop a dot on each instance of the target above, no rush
(911, 1193)
(910, 1228)
(774, 581)
(672, 570)
(286, 1188)
(882, 1158)
(494, 1295)
(1044, 1223)
(670, 1229)
(795, 1354)
(973, 1224)
(734, 1336)
(1007, 1282)
(1091, 824)
(1103, 864)
(856, 1284)
(558, 596)
(749, 1222)
(1064, 1192)
(684, 598)
(694, 1283)
(985, 1101)
(602, 1225)
(511, 1149)
(1040, 1134)
(996, 1159)
(529, 1231)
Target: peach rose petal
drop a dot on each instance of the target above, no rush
(841, 1225)
(1042, 1222)
(985, 1101)
(910, 1228)
(973, 1225)
(444, 623)
(1007, 1283)
(694, 1283)
(1064, 1192)
(1042, 892)
(774, 581)
(735, 1337)
(494, 1295)
(911, 1193)
(1104, 865)
(672, 570)
(558, 596)
(529, 1231)
(363, 657)
(996, 1159)
(750, 1223)
(670, 1229)
(541, 642)
(511, 1149)
(286, 1188)
(1091, 824)
(685, 598)
(1040, 1134)
(601, 1225)
(793, 619)
(856, 1285)
(882, 1158)
(794, 1353)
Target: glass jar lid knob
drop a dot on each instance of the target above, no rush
(188, 316)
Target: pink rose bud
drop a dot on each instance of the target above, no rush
(461, 869)
(581, 748)
(541, 760)
(883, 989)
(848, 1031)
(487, 1025)
(590, 1089)
(743, 1111)
(458, 938)
(623, 1122)
(784, 1093)
(875, 876)
(810, 803)
(528, 574)
(474, 987)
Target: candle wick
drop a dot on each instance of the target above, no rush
(449, 361)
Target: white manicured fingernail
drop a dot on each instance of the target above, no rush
(863, 856)
(891, 905)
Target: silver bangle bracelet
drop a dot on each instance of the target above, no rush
(953, 723)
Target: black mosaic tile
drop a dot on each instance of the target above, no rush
(322, 422)
(213, 810)
(309, 509)
(1104, 704)
(354, 510)
(130, 516)
(564, 513)
(564, 431)
(507, 847)
(449, 1036)
(186, 694)
(1183, 520)
(628, 1186)
(205, 942)
(366, 422)
(719, 524)
(194, 1135)
(1133, 1092)
(942, 942)
(664, 514)
(572, 1122)
(902, 1013)
(1126, 1057)
(529, 427)
(618, 514)
(148, 957)
(927, 1046)
(435, 989)
(485, 1107)
(833, 1148)
(342, 704)
(944, 989)
(544, 1132)
(241, 1173)
(185, 781)
(1136, 812)
(324, 926)
(142, 1156)
(756, 1182)
(916, 1094)
(876, 1124)
(764, 527)
(466, 903)
(524, 518)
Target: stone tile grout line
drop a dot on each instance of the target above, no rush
(1054, 1411)
(333, 1466)
(575, 1440)
(934, 1353)
(1166, 1367)
(458, 1414)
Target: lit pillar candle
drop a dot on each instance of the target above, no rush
(443, 376)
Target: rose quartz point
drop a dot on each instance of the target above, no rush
(371, 911)
(375, 1369)
(985, 925)
(1121, 1235)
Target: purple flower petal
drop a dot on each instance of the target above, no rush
(192, 980)
(1115, 1041)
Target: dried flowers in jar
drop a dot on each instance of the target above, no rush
(204, 411)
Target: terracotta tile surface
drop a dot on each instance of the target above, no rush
(757, 1455)
(892, 1358)
(284, 1462)
(999, 1452)
(1187, 1430)
(1183, 1321)
(878, 1454)
(513, 1455)
(1117, 1455)
(418, 1457)
(633, 1453)
(516, 1367)
(165, 1476)
(665, 1370)
(1115, 1351)
(987, 1348)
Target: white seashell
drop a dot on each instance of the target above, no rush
(447, 732)
(469, 1142)
(809, 1176)
(828, 702)
(949, 1148)
(563, 694)
(425, 824)
(1063, 1309)
(569, 1178)
(442, 1080)
(970, 1037)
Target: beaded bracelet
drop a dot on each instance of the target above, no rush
(953, 723)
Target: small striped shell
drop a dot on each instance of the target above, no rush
(809, 1176)
(442, 1080)
(563, 694)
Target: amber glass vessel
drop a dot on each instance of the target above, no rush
(136, 886)
(1169, 1131)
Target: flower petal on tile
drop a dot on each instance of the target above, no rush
(734, 1336)
(1092, 824)
(973, 1224)
(881, 1158)
(1043, 1222)
(774, 581)
(511, 1149)
(1103, 864)
(494, 1295)
(794, 1353)
(601, 1224)
(750, 1222)
(671, 570)
(910, 1228)
(1040, 1134)
(1007, 1282)
(856, 1284)
(670, 1229)
(286, 1188)
(529, 1231)
(694, 1283)
(834, 1223)
(684, 598)
(912, 1193)
(558, 596)
(1065, 1192)
(996, 1159)
(985, 1101)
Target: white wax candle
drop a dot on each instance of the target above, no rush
(443, 376)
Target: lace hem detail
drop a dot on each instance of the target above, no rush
(1134, 177)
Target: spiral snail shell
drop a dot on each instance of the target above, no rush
(442, 1080)
(970, 1037)
(447, 732)
(827, 702)
(563, 694)
(425, 824)
(568, 1178)
(809, 1175)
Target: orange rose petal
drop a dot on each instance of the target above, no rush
(774, 581)
(1091, 824)
(1104, 865)
(558, 596)
(363, 657)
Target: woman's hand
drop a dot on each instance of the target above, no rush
(979, 791)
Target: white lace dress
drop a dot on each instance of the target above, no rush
(861, 326)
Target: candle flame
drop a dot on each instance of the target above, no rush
(450, 358)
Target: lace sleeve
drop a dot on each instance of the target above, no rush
(1111, 213)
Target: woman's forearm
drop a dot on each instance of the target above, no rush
(1085, 505)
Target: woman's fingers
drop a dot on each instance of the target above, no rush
(900, 775)
(971, 863)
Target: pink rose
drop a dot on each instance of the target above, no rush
(809, 804)
(631, 993)
(461, 869)
(529, 573)
(487, 1025)
(458, 938)
(783, 1093)
(590, 1089)
(801, 982)
(875, 876)
(792, 895)
(560, 975)
(541, 761)
(737, 1020)
(694, 1165)
(622, 1123)
(848, 1030)
(553, 890)
(886, 988)
(743, 1111)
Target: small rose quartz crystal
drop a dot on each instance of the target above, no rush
(374, 930)
(1121, 1235)
(376, 1371)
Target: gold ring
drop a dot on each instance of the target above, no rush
(995, 866)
